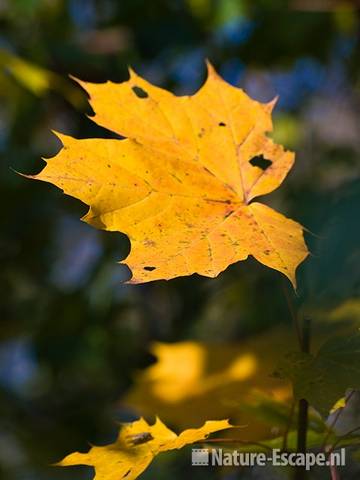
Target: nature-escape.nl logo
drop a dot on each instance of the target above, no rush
(204, 457)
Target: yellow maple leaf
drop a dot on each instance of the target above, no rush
(181, 185)
(136, 446)
(192, 381)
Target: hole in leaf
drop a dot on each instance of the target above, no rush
(149, 269)
(260, 162)
(139, 92)
(222, 124)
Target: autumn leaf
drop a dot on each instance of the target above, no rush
(193, 381)
(136, 446)
(181, 185)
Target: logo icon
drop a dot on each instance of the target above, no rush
(200, 457)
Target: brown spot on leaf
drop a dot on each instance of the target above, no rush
(201, 133)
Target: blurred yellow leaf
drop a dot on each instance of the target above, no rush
(192, 381)
(182, 185)
(339, 404)
(39, 80)
(136, 446)
(32, 77)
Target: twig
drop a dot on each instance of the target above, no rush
(334, 473)
(338, 440)
(300, 472)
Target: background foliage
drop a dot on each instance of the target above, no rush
(72, 337)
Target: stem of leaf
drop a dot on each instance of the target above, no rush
(300, 472)
(303, 335)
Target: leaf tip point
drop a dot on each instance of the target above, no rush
(59, 135)
(75, 79)
(269, 106)
(132, 73)
(210, 68)
(82, 83)
(25, 175)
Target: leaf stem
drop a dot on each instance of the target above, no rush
(338, 440)
(300, 472)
